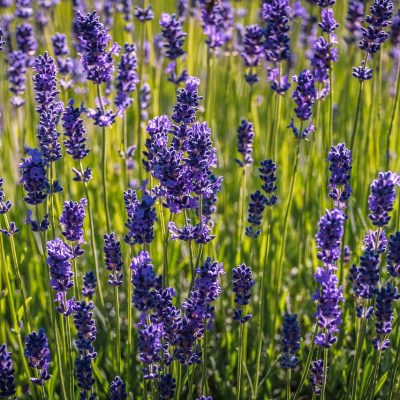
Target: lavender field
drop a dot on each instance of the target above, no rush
(199, 199)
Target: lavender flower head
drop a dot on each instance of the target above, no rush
(187, 102)
(166, 387)
(23, 9)
(385, 297)
(393, 255)
(150, 349)
(93, 40)
(245, 137)
(242, 283)
(317, 376)
(354, 20)
(199, 233)
(144, 14)
(290, 341)
(61, 51)
(26, 41)
(89, 284)
(7, 385)
(113, 259)
(38, 354)
(252, 51)
(61, 276)
(173, 37)
(72, 218)
(382, 197)
(118, 389)
(4, 205)
(340, 165)
(75, 131)
(127, 77)
(16, 75)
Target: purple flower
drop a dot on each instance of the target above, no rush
(252, 51)
(144, 99)
(290, 341)
(166, 387)
(328, 23)
(74, 130)
(127, 77)
(82, 176)
(33, 171)
(276, 14)
(103, 117)
(362, 73)
(385, 297)
(144, 14)
(86, 335)
(141, 217)
(375, 35)
(187, 102)
(304, 95)
(118, 389)
(23, 9)
(199, 233)
(7, 385)
(207, 282)
(38, 354)
(113, 259)
(268, 178)
(354, 19)
(89, 284)
(2, 42)
(242, 283)
(317, 376)
(245, 137)
(58, 259)
(393, 255)
(217, 22)
(61, 51)
(329, 236)
(256, 208)
(376, 241)
(329, 314)
(340, 165)
(72, 218)
(16, 75)
(93, 40)
(26, 41)
(145, 282)
(382, 197)
(4, 205)
(173, 37)
(150, 349)
(395, 36)
(365, 277)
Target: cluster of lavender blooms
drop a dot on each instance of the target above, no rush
(38, 355)
(340, 165)
(245, 138)
(168, 333)
(304, 96)
(258, 200)
(5, 207)
(7, 379)
(113, 259)
(75, 143)
(366, 277)
(290, 341)
(374, 35)
(172, 42)
(71, 219)
(89, 284)
(217, 22)
(181, 157)
(354, 20)
(86, 335)
(242, 282)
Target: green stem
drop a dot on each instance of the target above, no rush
(393, 371)
(323, 390)
(374, 374)
(204, 361)
(117, 321)
(288, 381)
(239, 366)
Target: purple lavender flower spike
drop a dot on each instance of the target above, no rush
(145, 282)
(382, 197)
(385, 297)
(33, 171)
(38, 354)
(4, 205)
(290, 341)
(10, 230)
(245, 137)
(26, 41)
(354, 20)
(340, 165)
(150, 349)
(89, 284)
(58, 259)
(23, 9)
(61, 51)
(7, 385)
(393, 256)
(166, 387)
(376, 241)
(141, 217)
(268, 178)
(113, 259)
(256, 208)
(362, 73)
(75, 131)
(86, 335)
(2, 41)
(317, 376)
(304, 95)
(72, 218)
(144, 98)
(144, 14)
(199, 233)
(328, 23)
(252, 51)
(93, 40)
(118, 389)
(127, 77)
(187, 102)
(173, 37)
(16, 75)
(242, 283)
